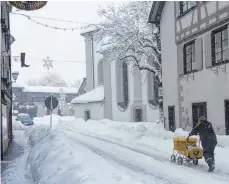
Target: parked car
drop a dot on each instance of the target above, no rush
(25, 119)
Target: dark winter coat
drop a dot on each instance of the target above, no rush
(206, 133)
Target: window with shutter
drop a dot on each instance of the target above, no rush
(220, 53)
(185, 6)
(189, 57)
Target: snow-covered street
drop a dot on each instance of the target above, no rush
(103, 151)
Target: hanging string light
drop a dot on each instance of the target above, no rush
(54, 27)
(57, 28)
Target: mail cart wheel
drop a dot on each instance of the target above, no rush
(173, 158)
(180, 160)
(188, 160)
(195, 161)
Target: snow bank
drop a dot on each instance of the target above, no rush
(56, 158)
(134, 131)
(223, 141)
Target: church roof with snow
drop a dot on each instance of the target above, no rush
(95, 95)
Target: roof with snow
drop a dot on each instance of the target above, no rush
(88, 29)
(50, 89)
(95, 95)
(47, 89)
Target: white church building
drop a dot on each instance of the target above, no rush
(114, 89)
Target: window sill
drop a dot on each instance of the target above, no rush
(221, 63)
(123, 107)
(193, 71)
(186, 12)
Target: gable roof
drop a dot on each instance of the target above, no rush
(95, 95)
(155, 12)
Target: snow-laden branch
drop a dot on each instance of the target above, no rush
(130, 36)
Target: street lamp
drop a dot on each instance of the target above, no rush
(15, 76)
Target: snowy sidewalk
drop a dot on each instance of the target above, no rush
(14, 163)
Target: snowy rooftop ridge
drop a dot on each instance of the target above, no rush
(88, 29)
(95, 95)
(48, 89)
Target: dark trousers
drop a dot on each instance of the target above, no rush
(209, 155)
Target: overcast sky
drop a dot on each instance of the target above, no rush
(39, 42)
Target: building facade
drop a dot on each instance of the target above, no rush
(121, 92)
(6, 93)
(195, 57)
(35, 96)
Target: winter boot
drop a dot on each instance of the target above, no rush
(211, 168)
(211, 165)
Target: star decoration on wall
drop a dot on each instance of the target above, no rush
(48, 63)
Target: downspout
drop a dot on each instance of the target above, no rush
(93, 60)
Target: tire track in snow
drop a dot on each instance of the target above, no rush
(158, 176)
(224, 177)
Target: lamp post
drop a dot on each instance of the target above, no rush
(15, 76)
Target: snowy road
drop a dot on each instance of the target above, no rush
(147, 168)
(102, 152)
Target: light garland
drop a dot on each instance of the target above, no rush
(53, 27)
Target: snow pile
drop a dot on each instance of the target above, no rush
(95, 95)
(134, 131)
(88, 29)
(223, 141)
(55, 158)
(180, 133)
(37, 134)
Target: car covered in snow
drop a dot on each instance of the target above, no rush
(25, 119)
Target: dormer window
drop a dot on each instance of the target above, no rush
(185, 6)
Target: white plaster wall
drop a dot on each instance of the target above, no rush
(211, 88)
(169, 59)
(96, 110)
(211, 7)
(97, 58)
(126, 115)
(152, 113)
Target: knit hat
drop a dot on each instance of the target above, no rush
(202, 118)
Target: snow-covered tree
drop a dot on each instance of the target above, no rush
(51, 79)
(126, 33)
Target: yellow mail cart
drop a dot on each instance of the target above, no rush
(186, 149)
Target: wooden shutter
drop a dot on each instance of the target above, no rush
(180, 59)
(177, 5)
(228, 41)
(199, 54)
(208, 50)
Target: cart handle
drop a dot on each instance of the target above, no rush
(188, 138)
